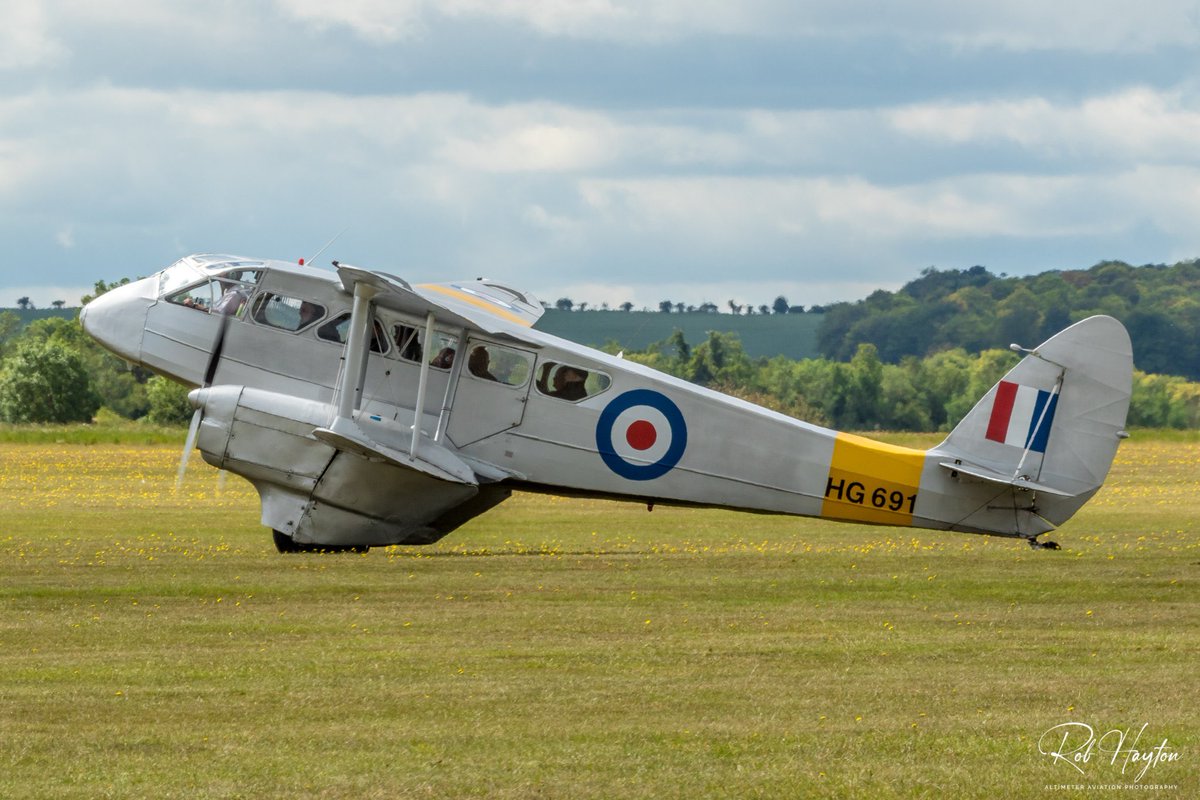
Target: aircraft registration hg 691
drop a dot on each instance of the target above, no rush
(368, 411)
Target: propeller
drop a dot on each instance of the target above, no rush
(210, 372)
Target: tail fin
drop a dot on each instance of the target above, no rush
(1049, 429)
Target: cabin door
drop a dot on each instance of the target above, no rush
(492, 391)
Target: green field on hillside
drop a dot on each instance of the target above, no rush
(153, 644)
(791, 335)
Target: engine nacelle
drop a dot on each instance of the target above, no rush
(316, 493)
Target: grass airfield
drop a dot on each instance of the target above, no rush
(153, 644)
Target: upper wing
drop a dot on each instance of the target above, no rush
(479, 305)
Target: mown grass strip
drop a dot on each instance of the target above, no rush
(152, 643)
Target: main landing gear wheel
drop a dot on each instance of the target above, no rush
(1047, 545)
(286, 544)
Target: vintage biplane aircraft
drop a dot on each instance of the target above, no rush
(369, 411)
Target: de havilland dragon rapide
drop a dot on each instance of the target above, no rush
(370, 411)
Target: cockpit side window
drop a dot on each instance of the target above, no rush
(236, 288)
(200, 296)
(337, 330)
(492, 362)
(569, 382)
(286, 313)
(214, 296)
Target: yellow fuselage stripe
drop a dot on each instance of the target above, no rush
(871, 481)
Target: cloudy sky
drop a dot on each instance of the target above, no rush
(605, 150)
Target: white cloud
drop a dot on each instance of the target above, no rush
(734, 211)
(378, 21)
(1094, 26)
(553, 17)
(25, 36)
(527, 145)
(548, 194)
(382, 21)
(1137, 123)
(1166, 196)
(861, 231)
(538, 217)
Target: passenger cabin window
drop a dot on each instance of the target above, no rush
(443, 349)
(286, 313)
(408, 342)
(337, 330)
(491, 362)
(410, 345)
(569, 382)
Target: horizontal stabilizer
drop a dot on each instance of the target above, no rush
(991, 476)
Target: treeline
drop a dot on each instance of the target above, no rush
(865, 393)
(780, 306)
(974, 309)
(51, 371)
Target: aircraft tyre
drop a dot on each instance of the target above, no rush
(286, 544)
(1047, 545)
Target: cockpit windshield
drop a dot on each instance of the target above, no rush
(176, 276)
(195, 268)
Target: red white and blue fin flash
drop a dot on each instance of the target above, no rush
(1022, 416)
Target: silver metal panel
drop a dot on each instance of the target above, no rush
(387, 492)
(484, 408)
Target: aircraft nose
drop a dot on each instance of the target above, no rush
(117, 318)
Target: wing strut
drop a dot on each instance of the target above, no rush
(346, 434)
(1037, 429)
(357, 349)
(451, 388)
(422, 383)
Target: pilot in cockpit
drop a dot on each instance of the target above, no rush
(231, 300)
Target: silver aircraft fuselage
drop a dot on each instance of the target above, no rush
(280, 382)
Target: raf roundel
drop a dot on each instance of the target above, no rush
(641, 435)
